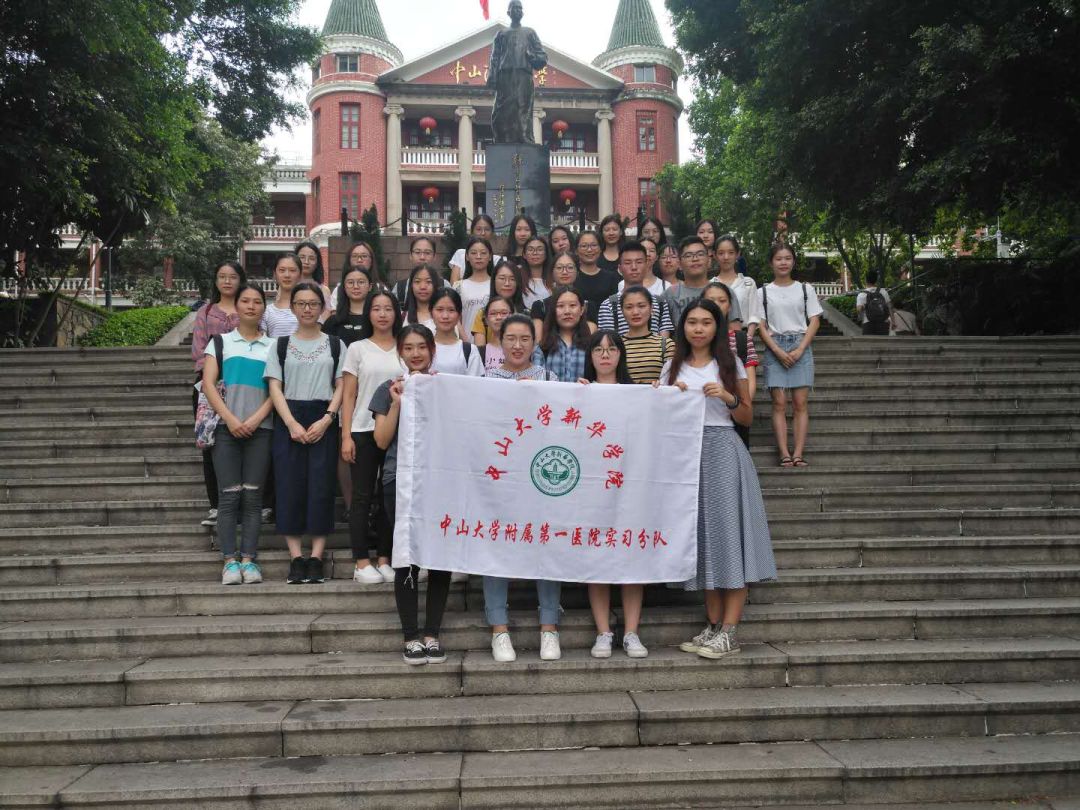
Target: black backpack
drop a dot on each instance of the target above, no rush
(876, 307)
(335, 355)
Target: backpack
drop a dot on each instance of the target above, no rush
(740, 345)
(765, 301)
(876, 308)
(335, 354)
(206, 418)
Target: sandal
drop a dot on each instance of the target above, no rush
(787, 461)
(799, 461)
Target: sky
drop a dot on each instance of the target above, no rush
(579, 28)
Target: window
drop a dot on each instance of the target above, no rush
(316, 192)
(348, 63)
(316, 135)
(316, 70)
(350, 126)
(421, 210)
(646, 132)
(645, 74)
(350, 194)
(648, 198)
(442, 135)
(573, 140)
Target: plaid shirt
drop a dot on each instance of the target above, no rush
(211, 320)
(567, 362)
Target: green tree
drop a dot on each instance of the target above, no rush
(887, 111)
(368, 230)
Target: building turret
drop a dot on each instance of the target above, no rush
(348, 150)
(645, 129)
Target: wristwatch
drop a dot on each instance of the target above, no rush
(332, 415)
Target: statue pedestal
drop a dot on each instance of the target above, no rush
(518, 175)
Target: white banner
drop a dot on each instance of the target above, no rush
(544, 480)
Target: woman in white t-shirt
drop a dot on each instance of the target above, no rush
(483, 227)
(475, 287)
(734, 546)
(537, 271)
(743, 288)
(452, 354)
(791, 316)
(368, 364)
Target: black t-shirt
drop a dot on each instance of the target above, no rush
(348, 327)
(538, 311)
(596, 288)
(611, 265)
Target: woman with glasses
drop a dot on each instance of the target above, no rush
(539, 271)
(348, 323)
(359, 257)
(304, 373)
(311, 269)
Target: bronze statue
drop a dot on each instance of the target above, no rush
(517, 52)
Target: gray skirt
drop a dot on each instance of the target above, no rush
(734, 546)
(800, 375)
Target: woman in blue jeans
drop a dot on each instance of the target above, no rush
(518, 344)
(241, 450)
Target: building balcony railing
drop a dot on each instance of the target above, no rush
(278, 233)
(448, 158)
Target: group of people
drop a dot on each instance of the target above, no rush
(306, 390)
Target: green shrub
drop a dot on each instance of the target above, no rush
(135, 327)
(151, 291)
(846, 305)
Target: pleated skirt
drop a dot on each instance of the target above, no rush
(734, 545)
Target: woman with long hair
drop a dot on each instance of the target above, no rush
(360, 257)
(734, 546)
(304, 372)
(368, 364)
(594, 281)
(311, 269)
(644, 350)
(791, 317)
(452, 354)
(475, 286)
(605, 364)
(613, 234)
(566, 333)
(560, 239)
(742, 288)
(538, 265)
(564, 273)
(522, 229)
(741, 343)
(218, 316)
(507, 282)
(424, 280)
(279, 320)
(416, 350)
(668, 269)
(241, 447)
(483, 227)
(653, 230)
(495, 313)
(348, 322)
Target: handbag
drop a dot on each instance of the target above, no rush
(206, 418)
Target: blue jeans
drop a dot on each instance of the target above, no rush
(495, 607)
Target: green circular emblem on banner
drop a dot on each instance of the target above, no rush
(555, 471)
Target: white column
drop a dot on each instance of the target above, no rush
(538, 125)
(465, 159)
(603, 148)
(393, 161)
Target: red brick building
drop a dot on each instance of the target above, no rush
(386, 131)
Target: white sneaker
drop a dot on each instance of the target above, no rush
(549, 646)
(230, 574)
(633, 647)
(698, 641)
(602, 647)
(386, 572)
(457, 576)
(502, 650)
(368, 575)
(211, 518)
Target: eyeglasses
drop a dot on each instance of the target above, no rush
(428, 252)
(307, 304)
(605, 351)
(358, 282)
(535, 249)
(514, 340)
(696, 254)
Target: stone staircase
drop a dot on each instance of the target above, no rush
(922, 645)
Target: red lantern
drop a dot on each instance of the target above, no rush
(428, 123)
(431, 194)
(559, 127)
(568, 195)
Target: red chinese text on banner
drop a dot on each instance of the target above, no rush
(548, 480)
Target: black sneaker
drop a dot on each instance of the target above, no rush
(415, 654)
(315, 571)
(434, 651)
(297, 571)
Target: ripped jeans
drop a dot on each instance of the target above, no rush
(241, 466)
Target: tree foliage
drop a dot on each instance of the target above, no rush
(102, 101)
(882, 113)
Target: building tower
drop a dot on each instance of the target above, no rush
(645, 127)
(348, 150)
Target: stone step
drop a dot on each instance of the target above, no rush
(113, 488)
(819, 455)
(856, 775)
(925, 523)
(873, 474)
(276, 634)
(178, 597)
(533, 722)
(182, 445)
(134, 466)
(851, 552)
(382, 675)
(936, 496)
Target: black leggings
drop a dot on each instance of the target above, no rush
(407, 588)
(365, 478)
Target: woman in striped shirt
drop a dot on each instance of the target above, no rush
(645, 350)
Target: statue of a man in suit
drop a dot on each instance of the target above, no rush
(517, 52)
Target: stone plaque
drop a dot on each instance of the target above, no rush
(518, 175)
